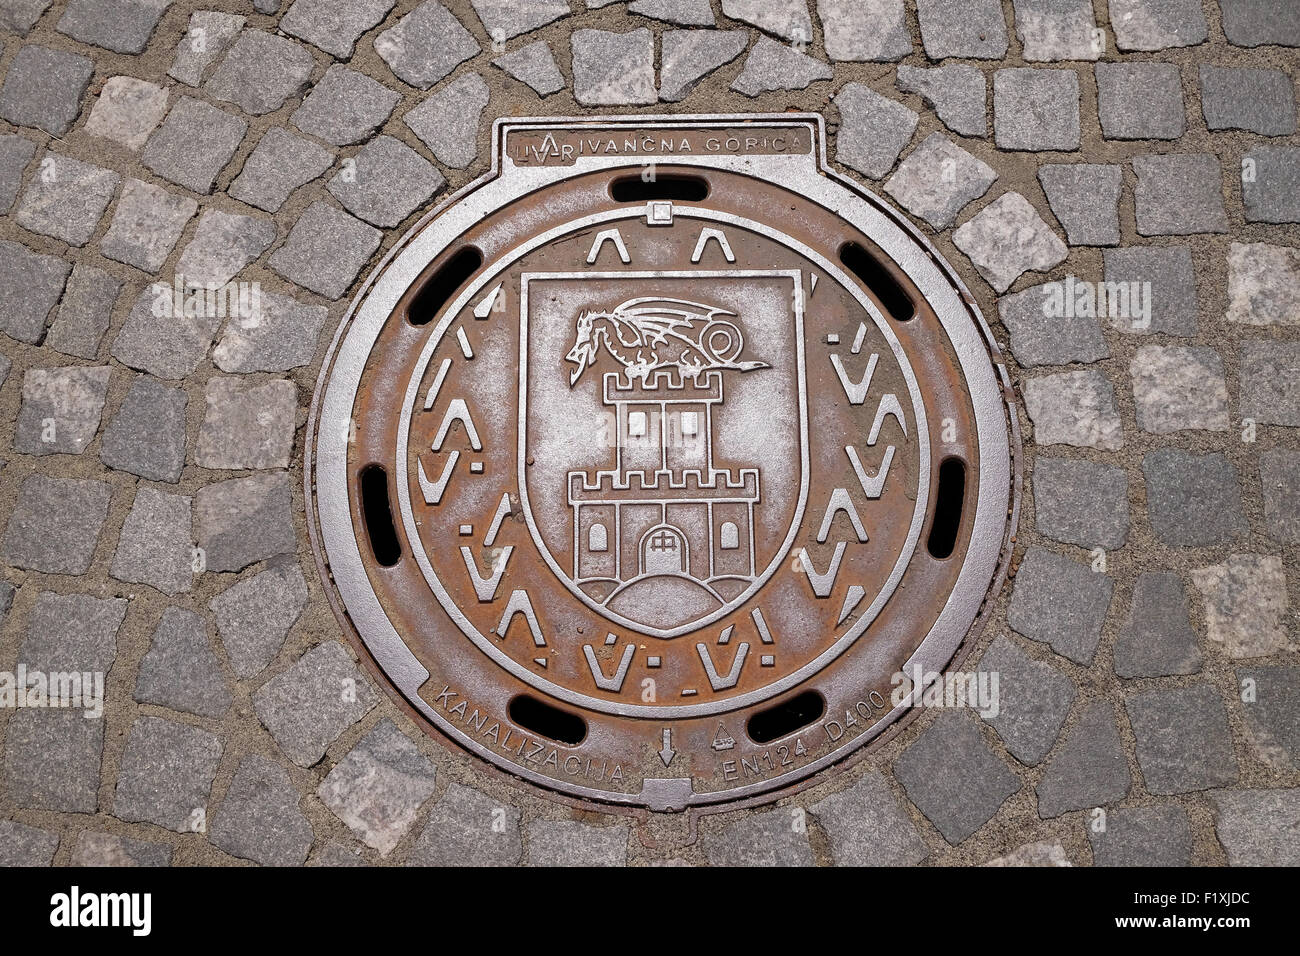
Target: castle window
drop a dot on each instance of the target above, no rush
(596, 538)
(730, 536)
(636, 424)
(690, 423)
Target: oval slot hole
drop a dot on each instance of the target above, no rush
(378, 515)
(879, 280)
(676, 188)
(786, 717)
(547, 721)
(439, 287)
(948, 502)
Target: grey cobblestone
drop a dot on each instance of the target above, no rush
(1179, 194)
(166, 774)
(30, 285)
(56, 523)
(1074, 408)
(308, 706)
(279, 164)
(259, 818)
(448, 120)
(1270, 382)
(206, 39)
(244, 520)
(223, 244)
(146, 224)
(868, 826)
(686, 13)
(1051, 30)
(325, 250)
(1043, 853)
(43, 88)
(1157, 638)
(873, 130)
(67, 200)
(1259, 827)
(960, 28)
(52, 760)
(535, 65)
(1183, 740)
(155, 547)
(468, 828)
(246, 424)
(15, 153)
(1177, 388)
(956, 92)
(1258, 101)
(254, 616)
(61, 409)
(109, 849)
(1193, 500)
(1036, 109)
(123, 26)
(1006, 239)
(1143, 836)
(1081, 502)
(345, 107)
(1042, 336)
(688, 56)
(570, 843)
(1060, 602)
(1140, 101)
(333, 27)
(19, 16)
(154, 339)
(21, 845)
(773, 838)
(170, 152)
(1089, 770)
(1085, 199)
(1273, 714)
(1173, 298)
(1256, 22)
(1245, 604)
(127, 111)
(279, 334)
(1263, 284)
(1279, 478)
(954, 778)
(787, 19)
(261, 72)
(1273, 193)
(180, 671)
(1033, 700)
(147, 436)
(872, 31)
(510, 18)
(425, 45)
(775, 66)
(390, 182)
(1157, 24)
(613, 69)
(922, 188)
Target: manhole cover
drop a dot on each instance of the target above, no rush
(644, 465)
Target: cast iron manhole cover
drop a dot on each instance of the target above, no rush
(645, 464)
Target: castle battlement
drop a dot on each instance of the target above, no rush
(663, 385)
(641, 485)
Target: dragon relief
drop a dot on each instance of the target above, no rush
(649, 333)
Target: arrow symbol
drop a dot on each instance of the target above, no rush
(666, 752)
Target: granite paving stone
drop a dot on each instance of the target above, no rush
(1157, 638)
(613, 69)
(1006, 239)
(1272, 191)
(688, 56)
(954, 778)
(378, 787)
(1090, 768)
(535, 65)
(1273, 714)
(159, 339)
(1074, 408)
(255, 614)
(1042, 853)
(873, 130)
(686, 13)
(333, 27)
(241, 521)
(1060, 602)
(109, 849)
(770, 838)
(1177, 387)
(206, 39)
(179, 670)
(123, 26)
(166, 774)
(571, 843)
(55, 524)
(1259, 827)
(389, 182)
(1143, 836)
(1034, 699)
(1179, 194)
(425, 45)
(1045, 332)
(43, 88)
(1052, 30)
(222, 244)
(194, 144)
(279, 164)
(468, 828)
(261, 72)
(155, 547)
(325, 250)
(19, 16)
(23, 845)
(84, 311)
(1263, 284)
(775, 66)
(962, 28)
(30, 285)
(308, 706)
(1036, 109)
(1140, 100)
(1085, 199)
(127, 111)
(147, 435)
(787, 19)
(938, 180)
(448, 120)
(61, 409)
(1255, 100)
(868, 826)
(1081, 502)
(1270, 382)
(345, 107)
(52, 759)
(72, 632)
(1184, 743)
(1163, 279)
(146, 224)
(1253, 23)
(1245, 604)
(957, 92)
(15, 153)
(1157, 24)
(247, 425)
(278, 334)
(66, 199)
(259, 818)
(1193, 500)
(507, 19)
(864, 31)
(1279, 479)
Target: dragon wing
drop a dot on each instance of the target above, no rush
(655, 318)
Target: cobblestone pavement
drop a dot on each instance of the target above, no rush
(1147, 644)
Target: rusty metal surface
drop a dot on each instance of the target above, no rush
(662, 471)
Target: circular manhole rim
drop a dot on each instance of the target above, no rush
(918, 256)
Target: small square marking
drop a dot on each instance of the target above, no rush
(466, 530)
(768, 660)
(636, 424)
(659, 212)
(653, 661)
(476, 467)
(690, 424)
(833, 338)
